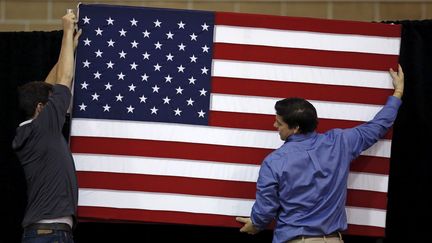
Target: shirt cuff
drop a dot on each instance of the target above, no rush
(255, 224)
(394, 101)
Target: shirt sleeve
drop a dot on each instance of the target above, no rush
(267, 202)
(53, 114)
(363, 136)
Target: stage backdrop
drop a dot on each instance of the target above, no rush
(173, 109)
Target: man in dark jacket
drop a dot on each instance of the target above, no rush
(52, 190)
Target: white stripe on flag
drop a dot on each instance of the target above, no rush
(306, 40)
(380, 149)
(265, 105)
(166, 167)
(302, 74)
(368, 181)
(188, 133)
(201, 169)
(164, 202)
(200, 204)
(366, 216)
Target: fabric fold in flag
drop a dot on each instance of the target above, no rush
(173, 109)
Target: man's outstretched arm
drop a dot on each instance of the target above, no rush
(64, 66)
(52, 76)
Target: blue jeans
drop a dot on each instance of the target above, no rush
(46, 236)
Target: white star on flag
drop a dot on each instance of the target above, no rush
(86, 63)
(119, 97)
(134, 66)
(110, 21)
(110, 64)
(132, 87)
(169, 57)
(111, 43)
(86, 20)
(190, 101)
(130, 109)
(170, 35)
(154, 110)
(181, 47)
(181, 25)
(98, 53)
(205, 27)
(157, 23)
(121, 76)
(106, 107)
(98, 31)
(95, 96)
(146, 56)
(87, 42)
(108, 86)
(177, 112)
(144, 77)
(143, 99)
(134, 44)
(134, 22)
(84, 85)
(155, 89)
(122, 32)
(82, 107)
(166, 100)
(146, 34)
(122, 54)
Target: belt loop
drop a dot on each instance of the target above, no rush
(340, 235)
(303, 239)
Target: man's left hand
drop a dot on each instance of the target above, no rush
(248, 227)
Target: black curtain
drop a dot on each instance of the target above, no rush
(409, 202)
(24, 57)
(28, 56)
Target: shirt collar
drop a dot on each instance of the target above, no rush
(25, 122)
(300, 137)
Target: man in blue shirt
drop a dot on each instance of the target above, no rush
(303, 184)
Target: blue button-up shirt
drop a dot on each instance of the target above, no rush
(303, 184)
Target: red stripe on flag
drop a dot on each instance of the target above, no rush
(203, 187)
(307, 24)
(128, 215)
(163, 149)
(367, 199)
(156, 216)
(365, 230)
(378, 165)
(269, 88)
(265, 122)
(217, 153)
(166, 184)
(307, 57)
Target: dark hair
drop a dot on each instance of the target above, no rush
(32, 93)
(298, 112)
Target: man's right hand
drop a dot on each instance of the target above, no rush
(69, 21)
(66, 58)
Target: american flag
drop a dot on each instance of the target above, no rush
(173, 109)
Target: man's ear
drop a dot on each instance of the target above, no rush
(38, 109)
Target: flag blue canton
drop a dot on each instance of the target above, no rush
(143, 64)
